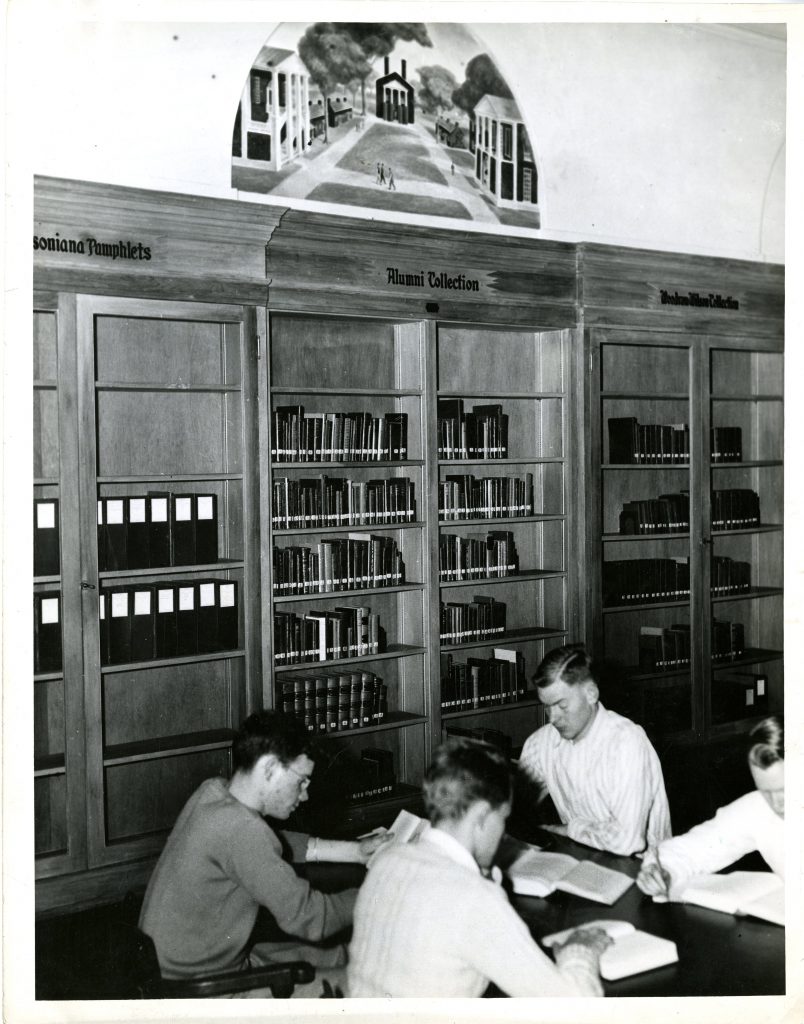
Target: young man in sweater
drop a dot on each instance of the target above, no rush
(222, 862)
(431, 917)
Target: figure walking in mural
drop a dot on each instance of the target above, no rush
(391, 182)
(380, 174)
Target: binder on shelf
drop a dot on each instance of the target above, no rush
(103, 627)
(186, 619)
(119, 625)
(142, 623)
(47, 632)
(228, 614)
(166, 635)
(182, 537)
(206, 528)
(115, 529)
(103, 556)
(207, 617)
(46, 537)
(159, 547)
(138, 539)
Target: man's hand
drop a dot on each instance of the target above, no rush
(594, 939)
(653, 880)
(369, 844)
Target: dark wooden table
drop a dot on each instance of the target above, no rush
(719, 954)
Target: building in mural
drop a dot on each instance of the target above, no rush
(395, 95)
(450, 133)
(504, 163)
(272, 127)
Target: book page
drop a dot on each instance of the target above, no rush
(535, 873)
(729, 893)
(407, 827)
(596, 882)
(769, 907)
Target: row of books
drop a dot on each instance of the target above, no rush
(669, 513)
(497, 497)
(735, 508)
(478, 619)
(481, 433)
(372, 777)
(739, 695)
(297, 436)
(157, 530)
(168, 620)
(357, 562)
(482, 682)
(636, 580)
(728, 576)
(667, 648)
(633, 442)
(47, 632)
(336, 501)
(326, 635)
(335, 701)
(468, 558)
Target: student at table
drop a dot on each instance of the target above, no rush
(599, 768)
(432, 918)
(752, 822)
(222, 862)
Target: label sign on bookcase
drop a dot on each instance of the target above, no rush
(430, 279)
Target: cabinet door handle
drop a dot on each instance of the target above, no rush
(86, 585)
(706, 540)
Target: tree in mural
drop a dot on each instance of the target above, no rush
(379, 39)
(482, 78)
(333, 59)
(437, 84)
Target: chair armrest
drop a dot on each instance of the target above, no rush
(280, 978)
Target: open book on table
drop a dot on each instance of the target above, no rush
(538, 873)
(632, 951)
(755, 893)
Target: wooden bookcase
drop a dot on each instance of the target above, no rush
(708, 368)
(171, 374)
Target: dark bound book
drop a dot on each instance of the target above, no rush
(46, 537)
(228, 614)
(206, 528)
(186, 619)
(103, 627)
(116, 533)
(207, 617)
(623, 439)
(159, 509)
(142, 623)
(47, 632)
(138, 536)
(119, 610)
(182, 529)
(166, 639)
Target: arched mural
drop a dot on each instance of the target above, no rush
(395, 116)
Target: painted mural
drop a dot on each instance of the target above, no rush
(396, 116)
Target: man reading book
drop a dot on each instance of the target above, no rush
(431, 918)
(599, 768)
(752, 822)
(222, 862)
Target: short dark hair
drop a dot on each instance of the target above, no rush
(766, 742)
(268, 732)
(463, 772)
(571, 664)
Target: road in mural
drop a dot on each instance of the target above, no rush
(397, 116)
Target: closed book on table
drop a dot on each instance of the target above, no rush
(182, 529)
(119, 625)
(142, 623)
(206, 528)
(228, 615)
(187, 619)
(166, 639)
(116, 533)
(46, 537)
(158, 509)
(47, 632)
(207, 617)
(138, 540)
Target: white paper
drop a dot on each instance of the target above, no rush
(114, 511)
(158, 510)
(204, 506)
(206, 595)
(227, 595)
(142, 602)
(184, 509)
(186, 599)
(119, 605)
(165, 600)
(46, 516)
(50, 610)
(136, 510)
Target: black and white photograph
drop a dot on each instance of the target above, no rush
(406, 408)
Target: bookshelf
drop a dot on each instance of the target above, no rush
(170, 638)
(344, 505)
(688, 431)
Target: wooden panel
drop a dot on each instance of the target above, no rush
(147, 796)
(45, 434)
(512, 361)
(45, 359)
(49, 733)
(50, 815)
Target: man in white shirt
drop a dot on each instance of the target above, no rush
(599, 768)
(752, 822)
